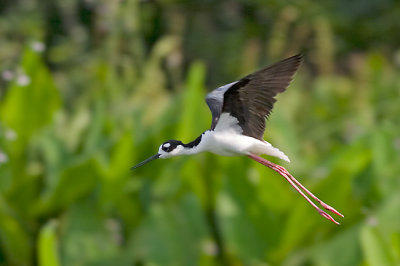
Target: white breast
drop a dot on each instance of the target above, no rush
(227, 140)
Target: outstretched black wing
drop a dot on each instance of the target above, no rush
(251, 99)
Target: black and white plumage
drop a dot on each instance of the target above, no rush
(252, 98)
(239, 110)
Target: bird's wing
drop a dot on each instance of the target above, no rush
(251, 99)
(215, 100)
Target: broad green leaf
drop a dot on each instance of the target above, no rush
(15, 243)
(194, 109)
(375, 248)
(343, 248)
(31, 104)
(75, 182)
(171, 234)
(116, 175)
(90, 238)
(250, 229)
(48, 253)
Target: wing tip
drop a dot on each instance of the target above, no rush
(298, 59)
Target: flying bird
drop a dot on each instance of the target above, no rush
(239, 110)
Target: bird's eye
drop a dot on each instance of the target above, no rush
(166, 147)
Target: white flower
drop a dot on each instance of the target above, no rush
(210, 248)
(23, 80)
(396, 143)
(38, 46)
(7, 75)
(10, 135)
(372, 221)
(3, 157)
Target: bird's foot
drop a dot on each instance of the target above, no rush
(329, 208)
(296, 184)
(327, 216)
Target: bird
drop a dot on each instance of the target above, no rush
(239, 112)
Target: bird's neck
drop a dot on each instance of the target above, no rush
(195, 146)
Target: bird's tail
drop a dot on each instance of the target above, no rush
(272, 151)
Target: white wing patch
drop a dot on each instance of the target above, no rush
(227, 122)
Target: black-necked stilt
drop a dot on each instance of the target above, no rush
(238, 112)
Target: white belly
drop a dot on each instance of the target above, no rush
(227, 140)
(231, 144)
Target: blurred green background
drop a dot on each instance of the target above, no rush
(89, 88)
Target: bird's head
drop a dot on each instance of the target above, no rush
(168, 149)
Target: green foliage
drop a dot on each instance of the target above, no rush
(28, 107)
(116, 79)
(47, 245)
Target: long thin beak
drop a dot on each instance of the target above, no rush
(146, 161)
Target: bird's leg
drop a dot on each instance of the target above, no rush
(283, 172)
(323, 204)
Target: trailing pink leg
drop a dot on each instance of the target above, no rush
(283, 172)
(323, 204)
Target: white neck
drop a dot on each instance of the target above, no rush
(190, 148)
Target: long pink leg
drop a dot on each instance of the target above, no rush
(323, 204)
(283, 172)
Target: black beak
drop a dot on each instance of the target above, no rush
(146, 161)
